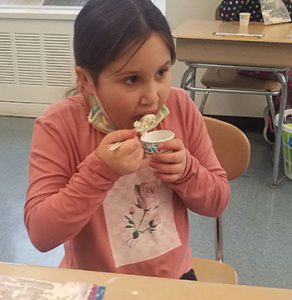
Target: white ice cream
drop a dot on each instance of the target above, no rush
(146, 123)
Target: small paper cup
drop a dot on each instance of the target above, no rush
(152, 139)
(244, 18)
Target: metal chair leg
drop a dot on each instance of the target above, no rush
(283, 78)
(193, 84)
(271, 106)
(203, 102)
(219, 241)
(189, 79)
(185, 78)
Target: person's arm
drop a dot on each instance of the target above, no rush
(204, 187)
(61, 197)
(230, 9)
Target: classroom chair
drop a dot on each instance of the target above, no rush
(231, 80)
(224, 78)
(235, 160)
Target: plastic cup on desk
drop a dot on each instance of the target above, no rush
(244, 18)
(151, 140)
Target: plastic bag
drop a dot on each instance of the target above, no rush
(17, 288)
(274, 12)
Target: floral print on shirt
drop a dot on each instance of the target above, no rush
(139, 215)
(147, 200)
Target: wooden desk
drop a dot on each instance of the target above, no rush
(125, 287)
(227, 45)
(196, 42)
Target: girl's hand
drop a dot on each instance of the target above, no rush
(169, 165)
(128, 157)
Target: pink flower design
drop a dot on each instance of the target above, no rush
(147, 200)
(147, 195)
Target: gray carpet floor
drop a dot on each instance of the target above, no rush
(257, 224)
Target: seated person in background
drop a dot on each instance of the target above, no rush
(229, 11)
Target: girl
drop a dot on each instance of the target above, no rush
(116, 211)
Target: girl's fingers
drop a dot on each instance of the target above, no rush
(138, 153)
(167, 177)
(167, 168)
(120, 135)
(172, 145)
(131, 145)
(168, 157)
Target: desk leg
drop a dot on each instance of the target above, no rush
(277, 150)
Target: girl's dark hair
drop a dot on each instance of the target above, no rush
(105, 29)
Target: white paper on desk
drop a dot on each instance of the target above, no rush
(274, 12)
(14, 288)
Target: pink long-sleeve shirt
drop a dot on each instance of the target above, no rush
(132, 224)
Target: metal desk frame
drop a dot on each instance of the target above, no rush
(189, 83)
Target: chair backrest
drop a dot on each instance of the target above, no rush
(233, 152)
(231, 146)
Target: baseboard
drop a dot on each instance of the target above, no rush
(21, 109)
(244, 123)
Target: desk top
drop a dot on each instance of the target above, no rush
(219, 42)
(218, 30)
(121, 286)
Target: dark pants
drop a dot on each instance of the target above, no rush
(190, 275)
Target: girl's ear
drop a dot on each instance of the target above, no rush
(81, 79)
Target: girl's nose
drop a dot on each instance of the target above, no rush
(150, 95)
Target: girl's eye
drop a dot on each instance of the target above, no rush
(132, 79)
(162, 72)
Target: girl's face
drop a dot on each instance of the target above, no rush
(136, 84)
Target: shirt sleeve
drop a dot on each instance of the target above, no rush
(204, 187)
(61, 198)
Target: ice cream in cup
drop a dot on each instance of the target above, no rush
(244, 18)
(145, 124)
(151, 140)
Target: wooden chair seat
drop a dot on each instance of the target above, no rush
(232, 79)
(208, 270)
